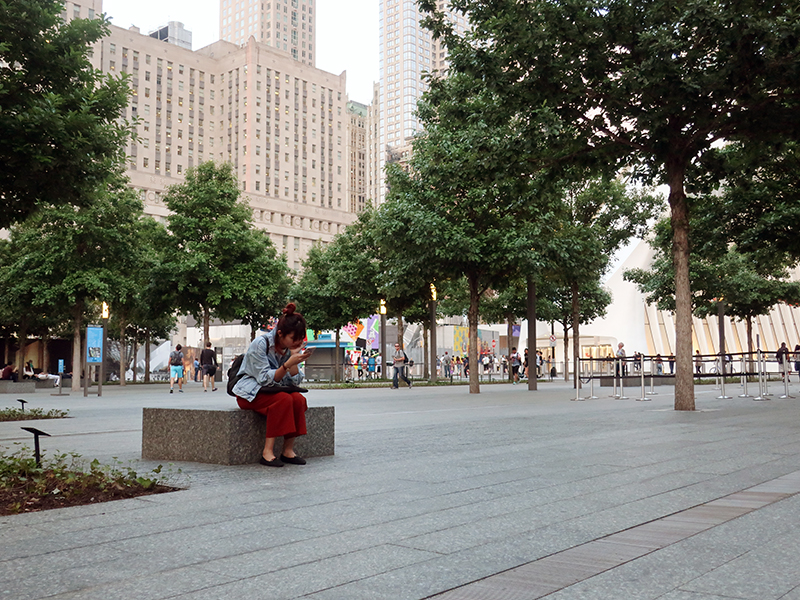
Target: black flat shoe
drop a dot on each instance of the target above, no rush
(295, 460)
(270, 463)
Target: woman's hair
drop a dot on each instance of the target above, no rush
(292, 322)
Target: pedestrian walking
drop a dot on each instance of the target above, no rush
(208, 363)
(176, 369)
(400, 359)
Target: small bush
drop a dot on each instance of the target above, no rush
(17, 414)
(65, 480)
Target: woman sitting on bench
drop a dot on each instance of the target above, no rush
(270, 376)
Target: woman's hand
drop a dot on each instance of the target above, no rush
(300, 355)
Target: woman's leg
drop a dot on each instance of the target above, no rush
(286, 417)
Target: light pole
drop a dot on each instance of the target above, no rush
(382, 350)
(432, 305)
(104, 315)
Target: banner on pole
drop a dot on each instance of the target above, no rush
(94, 344)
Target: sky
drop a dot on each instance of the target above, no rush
(347, 32)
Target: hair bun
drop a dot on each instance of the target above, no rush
(290, 308)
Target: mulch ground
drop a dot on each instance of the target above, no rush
(18, 501)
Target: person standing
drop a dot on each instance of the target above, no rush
(622, 366)
(400, 359)
(698, 362)
(671, 364)
(515, 361)
(176, 369)
(447, 365)
(797, 358)
(208, 364)
(782, 356)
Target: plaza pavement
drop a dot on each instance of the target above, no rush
(430, 489)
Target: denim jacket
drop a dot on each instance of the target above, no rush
(259, 367)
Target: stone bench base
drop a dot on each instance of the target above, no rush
(226, 436)
(17, 387)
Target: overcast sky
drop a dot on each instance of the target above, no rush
(347, 32)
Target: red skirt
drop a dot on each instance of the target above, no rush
(285, 412)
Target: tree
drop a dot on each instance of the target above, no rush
(68, 259)
(556, 304)
(463, 209)
(749, 283)
(598, 217)
(337, 285)
(216, 263)
(59, 118)
(649, 85)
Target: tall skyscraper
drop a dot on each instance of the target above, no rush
(407, 52)
(286, 25)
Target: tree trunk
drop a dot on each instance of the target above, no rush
(510, 338)
(566, 353)
(425, 345)
(684, 381)
(123, 354)
(206, 325)
(400, 331)
(77, 366)
(23, 342)
(147, 356)
(46, 353)
(576, 337)
(252, 333)
(474, 351)
(134, 351)
(532, 356)
(336, 360)
(750, 367)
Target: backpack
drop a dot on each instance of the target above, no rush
(233, 373)
(176, 358)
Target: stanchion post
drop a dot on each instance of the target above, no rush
(652, 391)
(622, 395)
(766, 375)
(744, 380)
(640, 358)
(760, 378)
(614, 375)
(784, 367)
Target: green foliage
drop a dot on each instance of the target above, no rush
(337, 285)
(749, 285)
(59, 118)
(63, 258)
(215, 262)
(65, 479)
(652, 86)
(18, 414)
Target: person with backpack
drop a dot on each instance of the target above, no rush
(176, 369)
(267, 382)
(208, 363)
(400, 359)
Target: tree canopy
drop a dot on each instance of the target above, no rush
(59, 118)
(648, 85)
(215, 262)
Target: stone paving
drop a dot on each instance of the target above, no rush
(430, 489)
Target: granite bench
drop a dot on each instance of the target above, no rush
(226, 436)
(17, 387)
